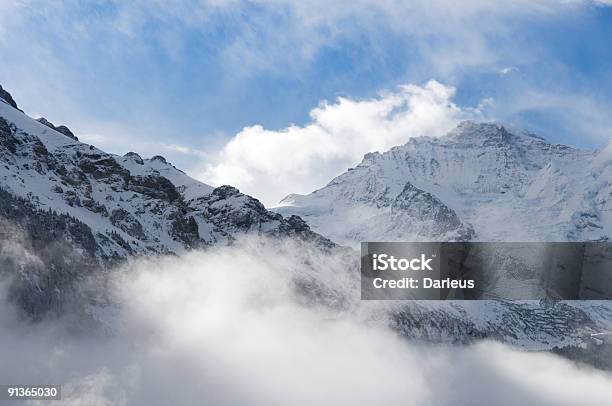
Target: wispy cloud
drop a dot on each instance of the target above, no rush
(508, 70)
(185, 150)
(145, 71)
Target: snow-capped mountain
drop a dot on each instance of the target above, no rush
(131, 205)
(67, 209)
(78, 208)
(479, 182)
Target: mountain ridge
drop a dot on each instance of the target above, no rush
(73, 211)
(478, 171)
(96, 209)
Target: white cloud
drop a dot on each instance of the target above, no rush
(445, 37)
(182, 149)
(285, 34)
(508, 70)
(226, 327)
(271, 164)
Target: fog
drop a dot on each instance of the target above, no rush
(230, 326)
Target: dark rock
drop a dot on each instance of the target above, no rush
(39, 149)
(120, 242)
(423, 206)
(60, 129)
(95, 207)
(185, 229)
(102, 167)
(7, 139)
(46, 122)
(159, 158)
(229, 209)
(156, 187)
(66, 131)
(8, 98)
(127, 222)
(135, 157)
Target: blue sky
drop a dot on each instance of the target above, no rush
(183, 78)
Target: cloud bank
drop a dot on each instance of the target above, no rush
(226, 326)
(298, 159)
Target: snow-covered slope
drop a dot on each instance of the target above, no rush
(131, 205)
(479, 182)
(76, 207)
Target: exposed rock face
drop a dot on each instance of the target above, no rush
(102, 208)
(61, 129)
(69, 210)
(6, 96)
(481, 181)
(414, 206)
(531, 324)
(233, 213)
(146, 205)
(135, 157)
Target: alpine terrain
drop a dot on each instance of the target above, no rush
(69, 210)
(79, 209)
(481, 182)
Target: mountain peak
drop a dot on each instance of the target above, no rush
(462, 186)
(159, 158)
(8, 98)
(124, 205)
(135, 157)
(489, 131)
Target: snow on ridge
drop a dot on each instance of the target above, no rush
(141, 215)
(485, 173)
(188, 187)
(131, 205)
(51, 138)
(604, 156)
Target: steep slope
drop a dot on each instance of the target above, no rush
(68, 209)
(96, 208)
(492, 184)
(132, 205)
(479, 182)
